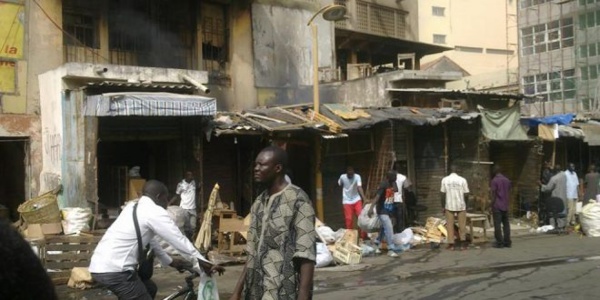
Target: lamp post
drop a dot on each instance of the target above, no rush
(332, 12)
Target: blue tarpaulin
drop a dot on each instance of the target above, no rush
(565, 119)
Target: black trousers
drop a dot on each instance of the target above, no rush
(399, 215)
(127, 285)
(501, 225)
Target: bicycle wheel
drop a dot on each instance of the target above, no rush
(183, 292)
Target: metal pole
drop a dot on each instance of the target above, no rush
(315, 56)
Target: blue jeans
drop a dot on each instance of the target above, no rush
(387, 231)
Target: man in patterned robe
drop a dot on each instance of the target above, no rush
(281, 239)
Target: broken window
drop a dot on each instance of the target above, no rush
(214, 37)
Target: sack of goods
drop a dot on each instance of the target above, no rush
(590, 219)
(76, 219)
(366, 223)
(324, 257)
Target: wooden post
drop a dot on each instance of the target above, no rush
(554, 153)
(315, 57)
(318, 179)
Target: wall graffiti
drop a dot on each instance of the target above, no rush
(52, 146)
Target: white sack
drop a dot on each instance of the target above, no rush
(590, 219)
(76, 219)
(324, 257)
(327, 233)
(366, 223)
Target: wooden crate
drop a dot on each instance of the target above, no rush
(63, 253)
(347, 253)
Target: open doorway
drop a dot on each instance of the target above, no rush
(13, 159)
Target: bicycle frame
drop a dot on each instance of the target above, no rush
(188, 292)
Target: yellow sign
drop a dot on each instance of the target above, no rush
(12, 18)
(8, 73)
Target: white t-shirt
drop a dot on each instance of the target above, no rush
(401, 182)
(455, 188)
(187, 191)
(350, 193)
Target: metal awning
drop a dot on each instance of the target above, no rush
(591, 131)
(458, 93)
(148, 104)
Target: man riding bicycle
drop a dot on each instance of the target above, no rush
(116, 258)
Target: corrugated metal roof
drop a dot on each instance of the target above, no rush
(148, 104)
(490, 94)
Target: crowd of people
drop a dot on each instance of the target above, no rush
(562, 191)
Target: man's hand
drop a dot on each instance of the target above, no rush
(180, 264)
(210, 269)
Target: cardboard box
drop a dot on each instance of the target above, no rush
(41, 230)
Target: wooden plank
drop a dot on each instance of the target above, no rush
(68, 256)
(70, 247)
(55, 239)
(61, 277)
(66, 264)
(229, 225)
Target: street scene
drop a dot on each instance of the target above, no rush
(299, 149)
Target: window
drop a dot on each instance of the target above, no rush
(530, 3)
(555, 85)
(438, 11)
(547, 37)
(439, 38)
(80, 29)
(214, 37)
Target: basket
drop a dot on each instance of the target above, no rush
(346, 253)
(42, 209)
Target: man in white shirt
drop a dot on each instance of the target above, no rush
(115, 259)
(186, 190)
(352, 196)
(453, 190)
(572, 193)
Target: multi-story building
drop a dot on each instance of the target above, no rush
(82, 85)
(483, 35)
(555, 39)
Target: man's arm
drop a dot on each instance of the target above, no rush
(362, 194)
(307, 270)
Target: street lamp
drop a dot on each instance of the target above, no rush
(331, 12)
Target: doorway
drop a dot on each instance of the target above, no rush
(13, 159)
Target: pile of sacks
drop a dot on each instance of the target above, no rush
(590, 219)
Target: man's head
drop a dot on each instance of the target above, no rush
(592, 168)
(157, 191)
(497, 169)
(188, 176)
(453, 169)
(391, 176)
(350, 171)
(270, 164)
(571, 167)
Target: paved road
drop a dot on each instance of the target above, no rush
(537, 267)
(565, 267)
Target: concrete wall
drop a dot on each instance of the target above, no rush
(283, 44)
(20, 110)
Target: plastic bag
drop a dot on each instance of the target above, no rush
(207, 288)
(366, 223)
(405, 237)
(327, 233)
(76, 219)
(324, 257)
(590, 219)
(367, 250)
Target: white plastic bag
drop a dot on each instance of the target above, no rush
(366, 223)
(207, 288)
(324, 257)
(327, 233)
(590, 219)
(76, 219)
(405, 237)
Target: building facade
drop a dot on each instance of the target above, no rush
(483, 35)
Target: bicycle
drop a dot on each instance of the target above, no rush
(189, 291)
